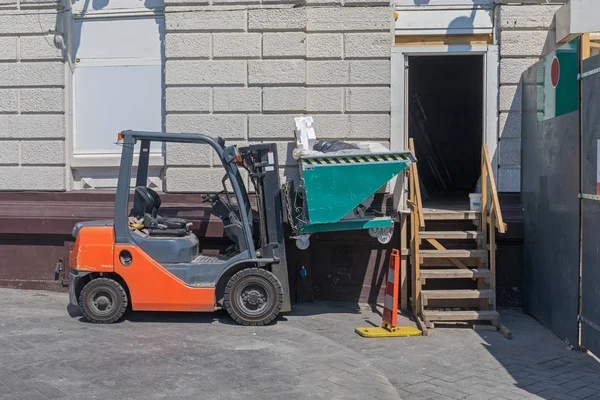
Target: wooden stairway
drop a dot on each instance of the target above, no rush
(453, 267)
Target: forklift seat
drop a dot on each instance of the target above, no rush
(146, 203)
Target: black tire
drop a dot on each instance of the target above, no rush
(253, 296)
(103, 301)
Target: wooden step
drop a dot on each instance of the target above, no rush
(444, 215)
(458, 294)
(452, 253)
(455, 273)
(433, 315)
(451, 235)
(438, 263)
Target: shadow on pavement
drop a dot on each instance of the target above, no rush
(538, 362)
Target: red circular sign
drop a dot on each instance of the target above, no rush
(555, 72)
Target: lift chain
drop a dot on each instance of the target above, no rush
(288, 205)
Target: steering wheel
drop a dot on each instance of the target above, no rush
(212, 197)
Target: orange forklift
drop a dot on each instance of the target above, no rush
(142, 261)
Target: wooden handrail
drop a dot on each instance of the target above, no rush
(487, 175)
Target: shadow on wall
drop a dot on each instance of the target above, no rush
(510, 117)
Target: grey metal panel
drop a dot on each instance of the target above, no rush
(550, 186)
(590, 290)
(590, 278)
(591, 123)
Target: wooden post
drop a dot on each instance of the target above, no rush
(416, 196)
(417, 221)
(403, 264)
(413, 271)
(481, 284)
(484, 196)
(493, 261)
(417, 267)
(586, 46)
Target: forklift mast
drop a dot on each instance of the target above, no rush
(260, 160)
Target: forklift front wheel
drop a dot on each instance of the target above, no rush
(253, 296)
(103, 301)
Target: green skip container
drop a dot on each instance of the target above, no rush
(335, 185)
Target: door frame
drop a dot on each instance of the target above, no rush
(399, 64)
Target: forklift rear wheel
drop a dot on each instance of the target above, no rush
(103, 301)
(253, 296)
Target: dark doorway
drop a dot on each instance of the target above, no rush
(445, 109)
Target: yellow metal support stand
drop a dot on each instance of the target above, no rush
(386, 330)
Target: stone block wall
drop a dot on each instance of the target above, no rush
(32, 98)
(244, 72)
(526, 34)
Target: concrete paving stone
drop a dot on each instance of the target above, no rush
(24, 395)
(425, 395)
(4, 390)
(421, 387)
(596, 385)
(23, 373)
(580, 382)
(11, 381)
(566, 377)
(553, 363)
(479, 396)
(47, 390)
(523, 381)
(558, 397)
(550, 389)
(535, 387)
(584, 392)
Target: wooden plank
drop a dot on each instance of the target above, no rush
(454, 273)
(505, 331)
(458, 294)
(441, 262)
(430, 215)
(442, 40)
(403, 263)
(451, 235)
(456, 253)
(431, 315)
(439, 246)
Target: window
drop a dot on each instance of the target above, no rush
(117, 85)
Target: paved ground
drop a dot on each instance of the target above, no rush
(311, 354)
